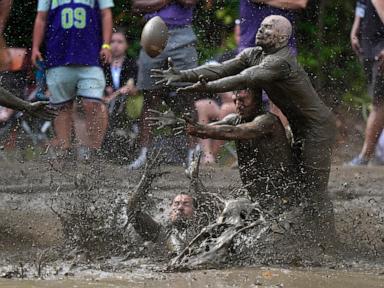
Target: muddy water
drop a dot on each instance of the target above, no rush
(248, 277)
(29, 226)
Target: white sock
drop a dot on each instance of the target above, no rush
(140, 160)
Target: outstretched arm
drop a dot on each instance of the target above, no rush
(36, 109)
(209, 71)
(254, 76)
(259, 127)
(214, 71)
(143, 223)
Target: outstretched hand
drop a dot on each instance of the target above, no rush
(166, 119)
(168, 76)
(41, 109)
(197, 87)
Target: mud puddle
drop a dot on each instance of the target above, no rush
(29, 227)
(247, 277)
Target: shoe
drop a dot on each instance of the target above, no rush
(83, 153)
(140, 161)
(358, 161)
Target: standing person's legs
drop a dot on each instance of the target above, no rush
(152, 97)
(181, 47)
(208, 111)
(63, 124)
(375, 125)
(90, 88)
(375, 122)
(62, 83)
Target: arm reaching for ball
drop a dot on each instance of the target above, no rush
(225, 130)
(209, 72)
(248, 78)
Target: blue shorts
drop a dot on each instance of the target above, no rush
(68, 82)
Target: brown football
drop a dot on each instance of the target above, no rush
(154, 36)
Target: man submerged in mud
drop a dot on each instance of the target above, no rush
(272, 67)
(185, 219)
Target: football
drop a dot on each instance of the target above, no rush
(154, 36)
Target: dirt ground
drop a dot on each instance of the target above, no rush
(30, 228)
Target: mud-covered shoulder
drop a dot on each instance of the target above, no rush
(250, 56)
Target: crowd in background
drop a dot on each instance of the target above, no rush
(104, 96)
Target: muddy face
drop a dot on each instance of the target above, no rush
(274, 32)
(182, 208)
(246, 105)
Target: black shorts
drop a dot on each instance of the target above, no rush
(375, 81)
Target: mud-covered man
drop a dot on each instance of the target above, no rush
(186, 216)
(271, 66)
(264, 153)
(38, 109)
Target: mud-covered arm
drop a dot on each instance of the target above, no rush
(147, 227)
(209, 72)
(268, 71)
(261, 126)
(13, 102)
(212, 72)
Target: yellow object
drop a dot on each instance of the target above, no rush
(106, 46)
(134, 106)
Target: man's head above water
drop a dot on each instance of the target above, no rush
(182, 208)
(247, 104)
(274, 32)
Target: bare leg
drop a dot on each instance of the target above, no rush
(80, 125)
(225, 109)
(151, 101)
(207, 111)
(63, 127)
(375, 125)
(275, 110)
(95, 118)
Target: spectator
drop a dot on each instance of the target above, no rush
(211, 110)
(76, 34)
(181, 48)
(120, 83)
(367, 39)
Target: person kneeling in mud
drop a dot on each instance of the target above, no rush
(190, 210)
(264, 152)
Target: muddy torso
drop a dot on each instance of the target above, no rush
(266, 166)
(291, 90)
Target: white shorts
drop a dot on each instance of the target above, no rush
(68, 82)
